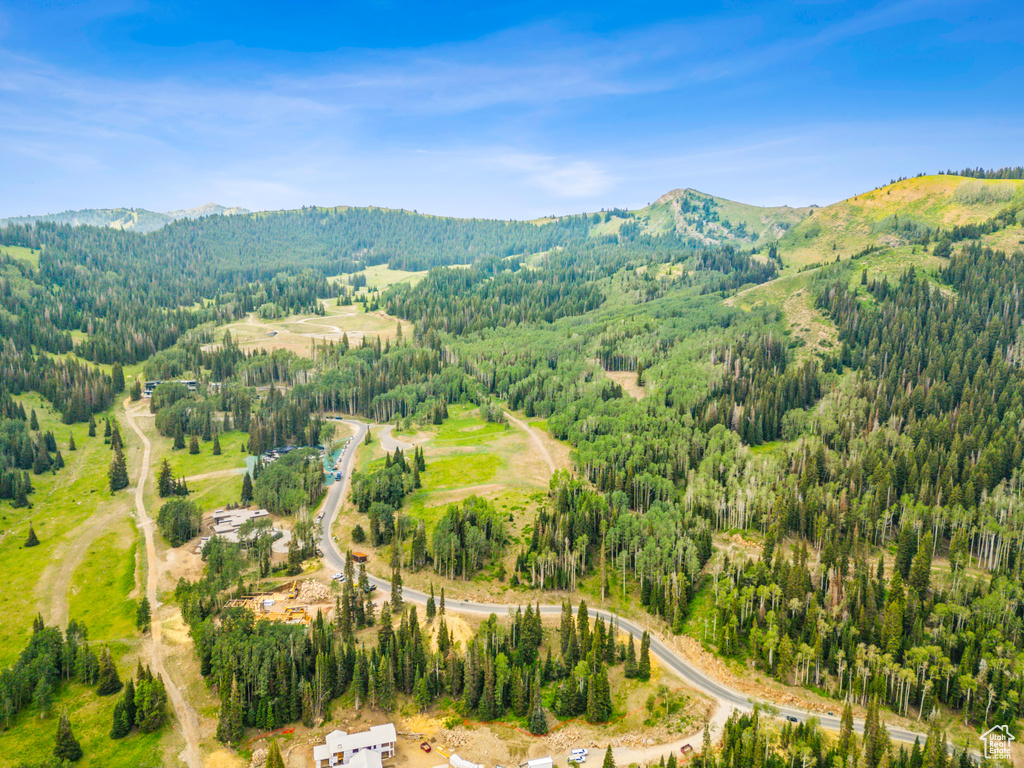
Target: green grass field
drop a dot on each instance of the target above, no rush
(83, 569)
(31, 739)
(849, 226)
(101, 582)
(61, 507)
(21, 253)
(185, 464)
(380, 277)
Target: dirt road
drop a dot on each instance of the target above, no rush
(186, 714)
(538, 443)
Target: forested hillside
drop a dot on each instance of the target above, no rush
(879, 475)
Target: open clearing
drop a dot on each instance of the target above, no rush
(302, 333)
(468, 456)
(380, 277)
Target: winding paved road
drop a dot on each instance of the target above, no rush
(727, 698)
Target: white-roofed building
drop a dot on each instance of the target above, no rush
(365, 749)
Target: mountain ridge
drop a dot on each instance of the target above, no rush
(129, 219)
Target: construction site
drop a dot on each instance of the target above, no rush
(294, 603)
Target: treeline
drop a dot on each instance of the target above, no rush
(755, 740)
(1010, 172)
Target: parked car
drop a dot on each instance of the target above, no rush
(792, 719)
(424, 746)
(686, 749)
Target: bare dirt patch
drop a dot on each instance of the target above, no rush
(627, 380)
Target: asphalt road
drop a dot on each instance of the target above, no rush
(726, 697)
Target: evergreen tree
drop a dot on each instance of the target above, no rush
(118, 472)
(609, 759)
(136, 391)
(179, 437)
(538, 719)
(71, 442)
(142, 615)
(110, 681)
(33, 422)
(193, 445)
(643, 669)
(274, 759)
(921, 567)
(396, 576)
(246, 488)
(117, 377)
(629, 669)
(216, 445)
(431, 607)
(230, 727)
(92, 427)
(120, 726)
(32, 540)
(294, 558)
(165, 484)
(66, 747)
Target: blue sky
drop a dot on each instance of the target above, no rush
(496, 109)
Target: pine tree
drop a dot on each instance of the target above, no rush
(246, 488)
(294, 558)
(216, 445)
(274, 759)
(396, 576)
(32, 540)
(846, 732)
(33, 423)
(609, 759)
(538, 719)
(71, 442)
(110, 681)
(120, 727)
(921, 567)
(179, 437)
(118, 472)
(142, 615)
(193, 445)
(66, 747)
(629, 669)
(431, 607)
(92, 427)
(230, 727)
(643, 668)
(116, 441)
(136, 391)
(117, 378)
(165, 480)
